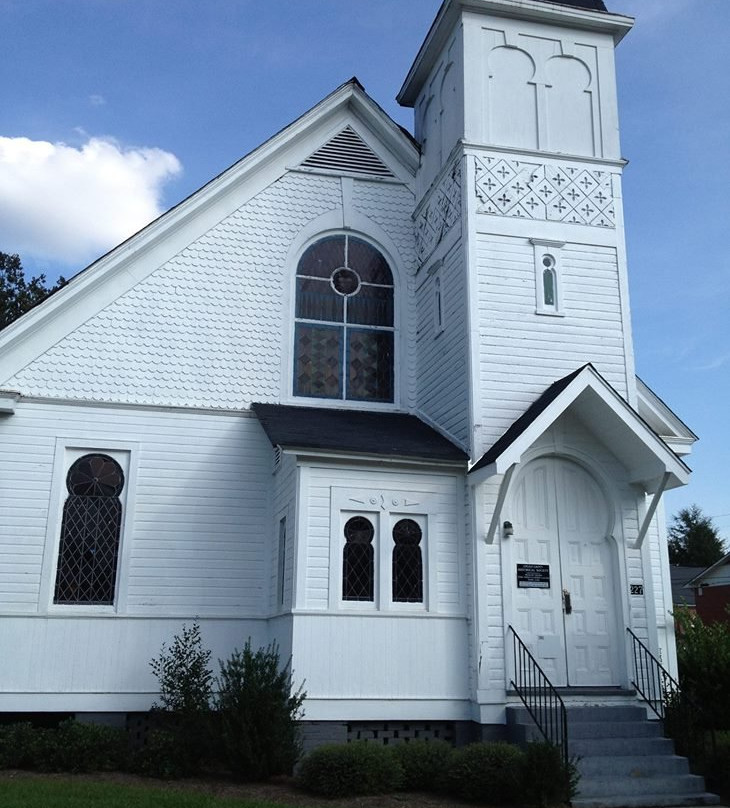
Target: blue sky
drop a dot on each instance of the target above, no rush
(114, 110)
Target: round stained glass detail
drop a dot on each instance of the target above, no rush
(548, 261)
(345, 281)
(359, 530)
(407, 532)
(95, 475)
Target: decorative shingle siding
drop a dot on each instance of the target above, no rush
(207, 328)
(197, 543)
(521, 352)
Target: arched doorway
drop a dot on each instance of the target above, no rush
(561, 568)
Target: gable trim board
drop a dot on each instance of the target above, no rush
(648, 460)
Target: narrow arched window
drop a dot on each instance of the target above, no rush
(407, 562)
(92, 522)
(358, 560)
(343, 345)
(549, 286)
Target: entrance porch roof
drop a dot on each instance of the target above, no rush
(648, 459)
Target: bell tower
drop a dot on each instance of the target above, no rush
(520, 203)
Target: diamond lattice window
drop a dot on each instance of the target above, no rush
(90, 531)
(358, 560)
(407, 562)
(343, 345)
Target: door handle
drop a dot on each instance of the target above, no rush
(567, 605)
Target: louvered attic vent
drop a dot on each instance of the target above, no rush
(347, 152)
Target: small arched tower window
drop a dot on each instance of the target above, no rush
(407, 562)
(358, 560)
(90, 531)
(549, 282)
(343, 345)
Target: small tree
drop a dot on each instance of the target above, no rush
(17, 295)
(257, 713)
(693, 539)
(183, 742)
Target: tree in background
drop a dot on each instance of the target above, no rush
(693, 539)
(17, 295)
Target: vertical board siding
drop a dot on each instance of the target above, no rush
(285, 494)
(443, 372)
(522, 352)
(445, 541)
(197, 542)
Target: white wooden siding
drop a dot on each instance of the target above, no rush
(521, 352)
(445, 529)
(443, 372)
(201, 507)
(285, 493)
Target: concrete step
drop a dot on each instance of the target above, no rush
(646, 801)
(675, 785)
(517, 714)
(632, 765)
(590, 747)
(614, 729)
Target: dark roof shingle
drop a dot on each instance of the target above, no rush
(373, 433)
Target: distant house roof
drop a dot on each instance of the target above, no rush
(704, 573)
(372, 433)
(680, 576)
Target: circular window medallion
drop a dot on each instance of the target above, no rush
(345, 281)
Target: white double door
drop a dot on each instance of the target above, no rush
(564, 602)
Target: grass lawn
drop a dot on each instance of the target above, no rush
(57, 793)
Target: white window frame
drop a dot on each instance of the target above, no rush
(67, 451)
(383, 509)
(543, 248)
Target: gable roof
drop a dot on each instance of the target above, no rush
(372, 433)
(607, 414)
(133, 260)
(700, 579)
(679, 576)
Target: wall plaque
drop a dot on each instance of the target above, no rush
(533, 576)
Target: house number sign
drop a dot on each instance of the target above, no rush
(533, 576)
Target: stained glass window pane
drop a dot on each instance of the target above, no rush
(548, 287)
(407, 562)
(90, 531)
(318, 361)
(372, 305)
(358, 560)
(323, 257)
(370, 365)
(368, 262)
(317, 300)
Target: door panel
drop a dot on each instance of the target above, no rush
(561, 519)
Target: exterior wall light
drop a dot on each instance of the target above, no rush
(507, 530)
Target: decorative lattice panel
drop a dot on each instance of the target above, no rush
(389, 733)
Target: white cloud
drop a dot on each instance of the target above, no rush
(70, 204)
(97, 100)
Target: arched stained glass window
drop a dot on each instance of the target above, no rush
(407, 562)
(343, 346)
(90, 531)
(358, 560)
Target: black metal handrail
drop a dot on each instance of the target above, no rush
(683, 719)
(539, 696)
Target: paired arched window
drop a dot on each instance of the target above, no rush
(343, 345)
(92, 522)
(358, 561)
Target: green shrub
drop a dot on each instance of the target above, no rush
(546, 780)
(488, 773)
(347, 770)
(703, 656)
(183, 743)
(717, 766)
(257, 714)
(72, 747)
(18, 745)
(159, 756)
(425, 764)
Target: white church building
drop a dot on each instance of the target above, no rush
(369, 395)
